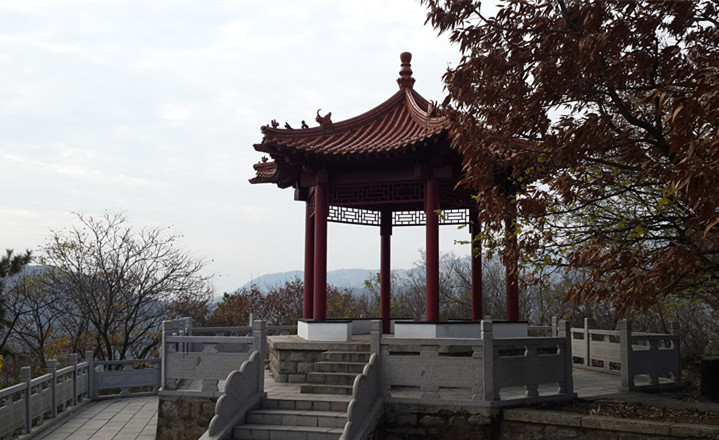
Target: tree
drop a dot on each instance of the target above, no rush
(123, 280)
(9, 265)
(32, 320)
(590, 136)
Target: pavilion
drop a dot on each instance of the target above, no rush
(391, 166)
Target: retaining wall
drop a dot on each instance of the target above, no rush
(184, 418)
(415, 422)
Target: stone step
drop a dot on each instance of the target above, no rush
(309, 404)
(329, 378)
(339, 367)
(293, 417)
(326, 389)
(346, 356)
(264, 432)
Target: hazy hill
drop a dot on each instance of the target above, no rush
(343, 278)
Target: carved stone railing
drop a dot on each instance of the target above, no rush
(189, 359)
(244, 391)
(366, 405)
(475, 370)
(34, 404)
(531, 362)
(648, 354)
(130, 377)
(629, 354)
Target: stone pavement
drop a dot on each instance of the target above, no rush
(131, 418)
(135, 418)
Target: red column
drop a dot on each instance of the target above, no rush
(432, 238)
(385, 268)
(307, 311)
(320, 248)
(475, 228)
(512, 280)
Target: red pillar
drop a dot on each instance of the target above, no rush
(385, 268)
(307, 311)
(512, 279)
(475, 228)
(320, 248)
(432, 248)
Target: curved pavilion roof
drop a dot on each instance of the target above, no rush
(403, 123)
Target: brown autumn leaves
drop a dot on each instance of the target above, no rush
(597, 124)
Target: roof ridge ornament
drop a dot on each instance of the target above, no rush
(324, 121)
(405, 79)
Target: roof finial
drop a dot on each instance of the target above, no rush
(405, 79)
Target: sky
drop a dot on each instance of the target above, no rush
(151, 108)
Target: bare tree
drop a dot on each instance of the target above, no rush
(123, 280)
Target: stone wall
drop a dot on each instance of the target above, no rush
(291, 357)
(293, 365)
(546, 425)
(184, 418)
(404, 421)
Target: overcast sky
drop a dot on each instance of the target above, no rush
(151, 108)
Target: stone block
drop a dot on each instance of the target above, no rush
(476, 419)
(682, 430)
(304, 367)
(458, 421)
(287, 368)
(428, 421)
(297, 378)
(406, 419)
(626, 425)
(543, 417)
(281, 378)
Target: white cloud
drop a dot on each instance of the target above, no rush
(152, 108)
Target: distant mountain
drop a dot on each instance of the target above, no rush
(28, 272)
(342, 278)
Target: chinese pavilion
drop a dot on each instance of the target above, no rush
(391, 166)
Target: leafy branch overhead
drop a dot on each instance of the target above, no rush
(598, 124)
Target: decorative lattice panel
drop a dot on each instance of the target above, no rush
(381, 192)
(343, 214)
(418, 218)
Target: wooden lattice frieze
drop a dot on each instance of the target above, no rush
(372, 193)
(418, 218)
(343, 214)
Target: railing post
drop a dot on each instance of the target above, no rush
(260, 344)
(163, 354)
(563, 331)
(52, 369)
(488, 368)
(625, 355)
(73, 362)
(587, 342)
(90, 359)
(25, 378)
(375, 336)
(187, 326)
(676, 331)
(375, 348)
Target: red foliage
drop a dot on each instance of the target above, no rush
(598, 123)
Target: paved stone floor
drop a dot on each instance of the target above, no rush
(135, 418)
(131, 418)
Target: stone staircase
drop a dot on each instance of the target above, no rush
(336, 372)
(321, 413)
(302, 419)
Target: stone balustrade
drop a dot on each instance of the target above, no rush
(629, 354)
